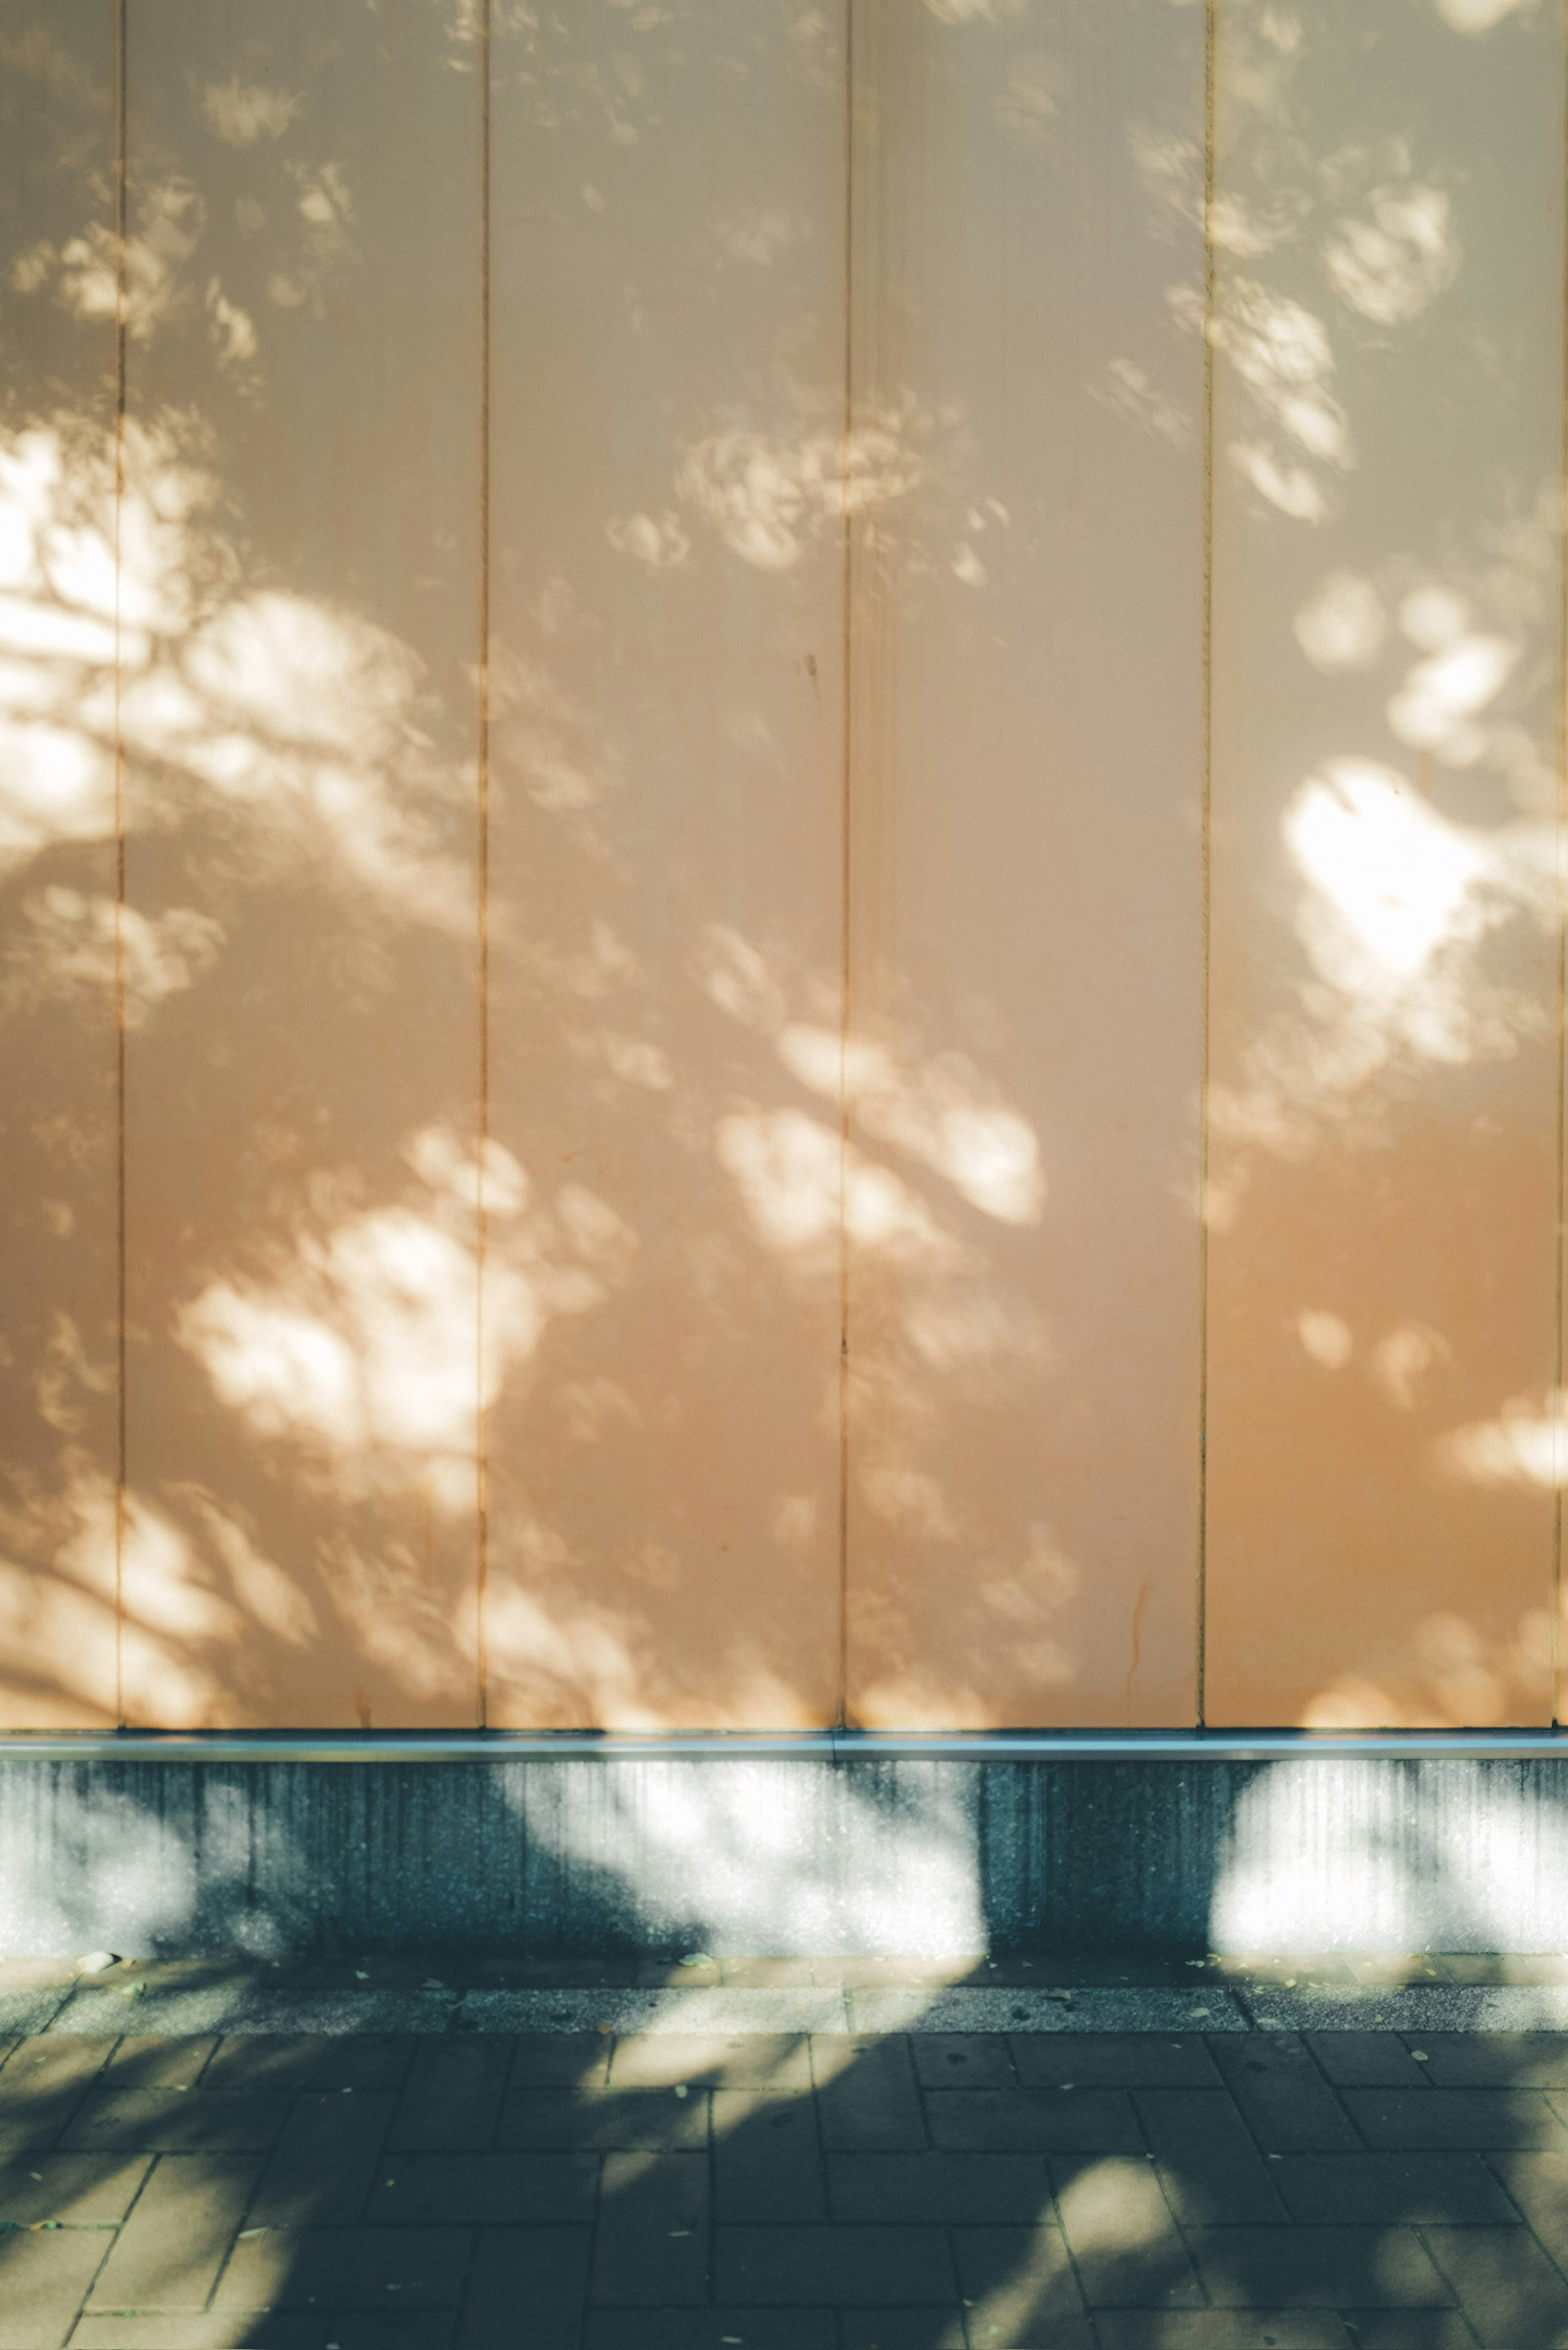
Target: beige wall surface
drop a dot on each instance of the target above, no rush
(1385, 917)
(1026, 778)
(662, 1313)
(58, 1122)
(780, 814)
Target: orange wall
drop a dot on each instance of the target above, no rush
(781, 927)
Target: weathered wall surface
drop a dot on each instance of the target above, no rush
(780, 858)
(663, 1856)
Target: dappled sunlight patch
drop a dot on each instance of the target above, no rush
(770, 494)
(1452, 1678)
(1020, 1605)
(302, 722)
(1365, 1869)
(1525, 1447)
(941, 1111)
(1398, 903)
(78, 946)
(401, 1614)
(737, 1858)
(365, 1343)
(58, 1630)
(1390, 265)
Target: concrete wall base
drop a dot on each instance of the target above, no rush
(628, 1854)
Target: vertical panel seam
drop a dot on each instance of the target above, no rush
(1210, 14)
(846, 857)
(1561, 814)
(482, 1234)
(120, 296)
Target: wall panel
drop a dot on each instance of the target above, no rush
(662, 1304)
(1386, 682)
(59, 1381)
(1027, 988)
(301, 582)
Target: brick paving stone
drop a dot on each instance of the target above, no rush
(1512, 2294)
(346, 2268)
(831, 2267)
(1492, 2060)
(601, 2118)
(1366, 2060)
(1210, 2166)
(42, 2281)
(174, 2121)
(527, 2289)
(1538, 2184)
(560, 2060)
(1113, 2060)
(452, 2094)
(866, 2093)
(1119, 2230)
(708, 2329)
(149, 2063)
(86, 2190)
(962, 2059)
(304, 2060)
(1415, 2188)
(357, 2329)
(1043, 2121)
(514, 2190)
(1332, 2268)
(1282, 2093)
(747, 2060)
(1407, 2329)
(768, 1974)
(1229, 2329)
(1019, 2289)
(767, 2158)
(326, 2160)
(187, 2330)
(169, 2252)
(945, 2187)
(1486, 2119)
(650, 2247)
(901, 2329)
(43, 2084)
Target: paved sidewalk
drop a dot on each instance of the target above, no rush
(649, 2191)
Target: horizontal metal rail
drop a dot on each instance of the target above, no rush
(834, 1745)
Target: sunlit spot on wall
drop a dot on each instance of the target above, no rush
(795, 1180)
(975, 12)
(1344, 625)
(1281, 352)
(1451, 1676)
(1403, 1358)
(303, 721)
(1478, 16)
(768, 494)
(910, 1501)
(1397, 879)
(1526, 1446)
(365, 1340)
(265, 1594)
(57, 1589)
(570, 1660)
(1391, 266)
(80, 946)
(938, 1111)
(1432, 707)
(1327, 1338)
(657, 540)
(240, 112)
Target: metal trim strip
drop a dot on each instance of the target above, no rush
(835, 1745)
